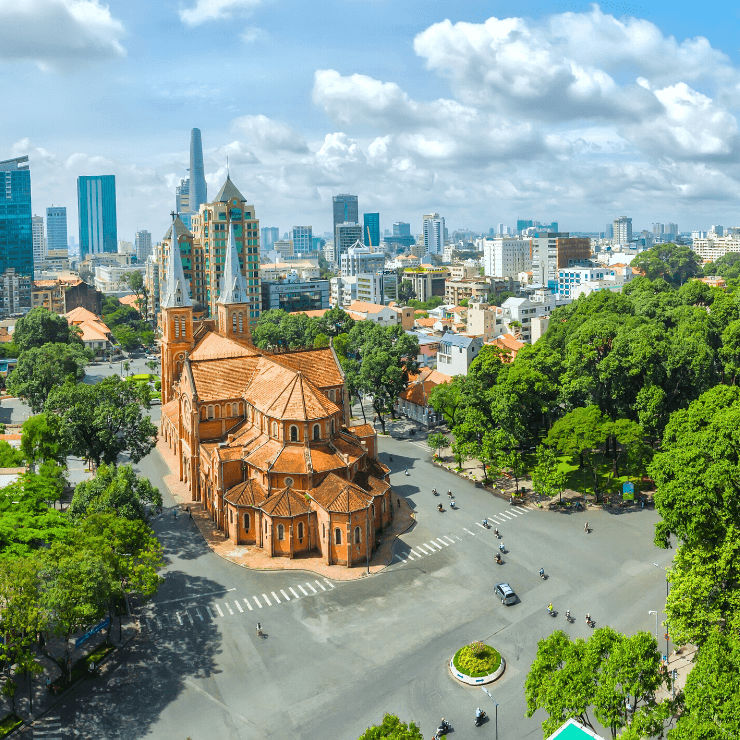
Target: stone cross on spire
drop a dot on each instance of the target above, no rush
(176, 293)
(233, 284)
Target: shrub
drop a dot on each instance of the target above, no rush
(476, 660)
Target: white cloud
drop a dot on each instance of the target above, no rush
(212, 10)
(271, 135)
(252, 34)
(59, 34)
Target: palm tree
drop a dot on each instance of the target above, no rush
(126, 366)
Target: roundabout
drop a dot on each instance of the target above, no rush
(477, 664)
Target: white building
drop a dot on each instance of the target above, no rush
(713, 247)
(302, 239)
(507, 257)
(359, 259)
(570, 279)
(622, 230)
(284, 247)
(370, 287)
(125, 247)
(110, 278)
(434, 233)
(456, 352)
(383, 315)
(143, 245)
(37, 235)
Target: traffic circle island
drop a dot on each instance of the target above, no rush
(477, 664)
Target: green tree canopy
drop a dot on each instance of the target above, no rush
(41, 369)
(41, 326)
(105, 420)
(115, 490)
(392, 728)
(674, 263)
(42, 439)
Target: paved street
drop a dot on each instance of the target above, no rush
(336, 656)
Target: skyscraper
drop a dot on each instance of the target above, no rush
(16, 238)
(37, 230)
(302, 239)
(623, 230)
(198, 191)
(96, 207)
(270, 234)
(434, 233)
(56, 229)
(345, 235)
(346, 209)
(182, 201)
(371, 229)
(143, 245)
(401, 228)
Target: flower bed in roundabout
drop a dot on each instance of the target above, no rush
(477, 664)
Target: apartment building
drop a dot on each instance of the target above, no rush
(507, 256)
(427, 281)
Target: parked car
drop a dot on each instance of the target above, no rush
(505, 592)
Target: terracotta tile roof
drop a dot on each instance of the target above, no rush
(363, 430)
(318, 365)
(317, 314)
(425, 322)
(285, 503)
(11, 437)
(354, 315)
(265, 454)
(418, 393)
(352, 449)
(365, 307)
(378, 469)
(323, 458)
(228, 453)
(172, 410)
(80, 314)
(221, 379)
(370, 484)
(508, 341)
(339, 495)
(291, 460)
(215, 347)
(5, 335)
(129, 300)
(248, 493)
(94, 331)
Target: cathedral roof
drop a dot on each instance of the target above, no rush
(228, 192)
(248, 493)
(223, 379)
(214, 346)
(176, 291)
(339, 495)
(285, 503)
(233, 285)
(318, 365)
(180, 229)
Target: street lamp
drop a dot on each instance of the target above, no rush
(485, 690)
(656, 625)
(666, 599)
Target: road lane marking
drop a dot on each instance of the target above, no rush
(330, 583)
(264, 596)
(433, 545)
(423, 548)
(257, 601)
(275, 596)
(287, 598)
(449, 538)
(239, 607)
(229, 608)
(469, 532)
(195, 596)
(218, 609)
(197, 611)
(409, 556)
(321, 585)
(189, 617)
(291, 589)
(419, 553)
(249, 606)
(310, 586)
(481, 526)
(446, 544)
(210, 613)
(506, 516)
(179, 619)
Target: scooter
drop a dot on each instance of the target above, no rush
(406, 472)
(479, 719)
(502, 548)
(444, 728)
(568, 618)
(498, 559)
(542, 574)
(439, 507)
(434, 491)
(495, 531)
(452, 504)
(590, 622)
(550, 611)
(449, 493)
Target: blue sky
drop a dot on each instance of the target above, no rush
(483, 112)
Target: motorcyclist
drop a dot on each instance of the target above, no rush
(549, 608)
(495, 531)
(439, 507)
(501, 547)
(452, 503)
(542, 572)
(485, 522)
(478, 713)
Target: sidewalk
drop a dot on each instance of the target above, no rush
(682, 661)
(251, 556)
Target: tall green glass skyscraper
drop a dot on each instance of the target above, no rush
(16, 235)
(96, 208)
(371, 229)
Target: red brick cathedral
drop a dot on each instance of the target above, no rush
(263, 440)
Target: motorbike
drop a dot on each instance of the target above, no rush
(498, 559)
(568, 618)
(502, 548)
(551, 611)
(542, 574)
(439, 507)
(434, 491)
(590, 622)
(444, 728)
(480, 718)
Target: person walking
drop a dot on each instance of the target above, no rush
(585, 527)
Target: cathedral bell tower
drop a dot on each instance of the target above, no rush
(233, 300)
(176, 314)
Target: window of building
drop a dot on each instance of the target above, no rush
(231, 516)
(246, 522)
(323, 531)
(382, 506)
(281, 532)
(233, 322)
(300, 531)
(331, 394)
(289, 481)
(241, 323)
(274, 429)
(316, 432)
(357, 535)
(210, 412)
(177, 326)
(332, 426)
(294, 433)
(337, 536)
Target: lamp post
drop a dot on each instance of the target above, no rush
(485, 690)
(656, 625)
(666, 598)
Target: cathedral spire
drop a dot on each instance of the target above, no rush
(176, 291)
(233, 284)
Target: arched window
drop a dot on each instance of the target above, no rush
(332, 426)
(265, 526)
(373, 508)
(358, 535)
(246, 522)
(218, 412)
(331, 394)
(210, 412)
(274, 429)
(281, 532)
(337, 536)
(231, 516)
(316, 432)
(241, 323)
(203, 413)
(294, 433)
(323, 531)
(300, 531)
(382, 505)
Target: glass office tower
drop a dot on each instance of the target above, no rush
(371, 230)
(96, 206)
(345, 209)
(16, 235)
(56, 228)
(198, 191)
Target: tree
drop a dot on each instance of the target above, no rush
(382, 378)
(42, 440)
(41, 326)
(675, 263)
(115, 490)
(446, 399)
(335, 322)
(105, 420)
(547, 479)
(406, 292)
(730, 353)
(135, 281)
(603, 675)
(392, 728)
(41, 369)
(437, 441)
(9, 456)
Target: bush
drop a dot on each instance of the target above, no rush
(8, 723)
(476, 660)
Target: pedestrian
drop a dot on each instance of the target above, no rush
(585, 527)
(174, 513)
(398, 503)
(190, 513)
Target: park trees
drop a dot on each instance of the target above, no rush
(135, 281)
(105, 420)
(675, 263)
(392, 728)
(41, 369)
(41, 326)
(437, 441)
(42, 440)
(405, 292)
(547, 477)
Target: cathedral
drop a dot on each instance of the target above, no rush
(263, 440)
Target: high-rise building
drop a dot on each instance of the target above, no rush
(401, 228)
(16, 237)
(371, 229)
(507, 256)
(197, 188)
(671, 229)
(96, 208)
(143, 245)
(270, 234)
(182, 201)
(658, 229)
(434, 233)
(37, 231)
(56, 229)
(302, 239)
(609, 231)
(345, 236)
(346, 209)
(623, 230)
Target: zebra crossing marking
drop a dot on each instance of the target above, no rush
(249, 606)
(294, 593)
(287, 598)
(267, 601)
(239, 607)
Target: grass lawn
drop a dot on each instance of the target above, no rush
(9, 723)
(475, 664)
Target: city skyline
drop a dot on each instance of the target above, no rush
(429, 119)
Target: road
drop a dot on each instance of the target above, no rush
(336, 656)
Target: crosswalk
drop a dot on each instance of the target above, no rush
(408, 552)
(190, 612)
(48, 728)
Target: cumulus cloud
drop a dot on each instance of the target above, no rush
(59, 34)
(271, 135)
(213, 10)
